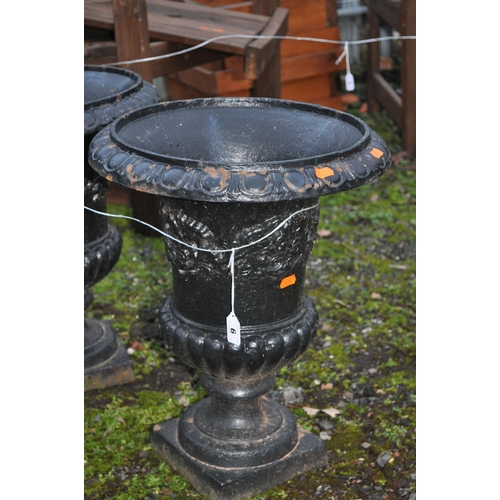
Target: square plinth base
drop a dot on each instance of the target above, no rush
(116, 370)
(220, 483)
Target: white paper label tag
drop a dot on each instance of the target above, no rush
(349, 82)
(233, 329)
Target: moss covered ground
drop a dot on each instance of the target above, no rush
(361, 277)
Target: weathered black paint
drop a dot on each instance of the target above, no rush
(109, 93)
(229, 171)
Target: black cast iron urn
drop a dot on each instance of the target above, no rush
(109, 93)
(239, 181)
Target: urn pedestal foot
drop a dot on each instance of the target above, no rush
(220, 483)
(237, 442)
(106, 361)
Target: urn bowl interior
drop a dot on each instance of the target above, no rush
(239, 132)
(103, 85)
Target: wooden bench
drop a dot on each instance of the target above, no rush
(400, 15)
(147, 28)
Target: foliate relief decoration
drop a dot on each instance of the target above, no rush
(275, 255)
(279, 253)
(188, 230)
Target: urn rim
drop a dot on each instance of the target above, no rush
(111, 92)
(128, 82)
(121, 152)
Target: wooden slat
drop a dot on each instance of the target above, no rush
(185, 23)
(305, 15)
(260, 51)
(318, 63)
(105, 53)
(388, 98)
(132, 35)
(307, 89)
(408, 77)
(215, 83)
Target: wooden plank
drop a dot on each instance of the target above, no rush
(99, 52)
(105, 53)
(260, 51)
(193, 24)
(373, 52)
(305, 15)
(307, 89)
(390, 100)
(132, 34)
(215, 83)
(233, 79)
(177, 90)
(98, 14)
(185, 23)
(318, 63)
(408, 77)
(226, 4)
(181, 62)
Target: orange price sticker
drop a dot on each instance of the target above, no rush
(323, 172)
(289, 280)
(376, 152)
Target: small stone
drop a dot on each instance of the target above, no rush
(324, 436)
(130, 351)
(413, 496)
(97, 418)
(293, 396)
(348, 395)
(365, 445)
(184, 401)
(137, 346)
(326, 425)
(383, 459)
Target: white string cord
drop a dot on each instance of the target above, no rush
(206, 249)
(263, 37)
(232, 323)
(231, 267)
